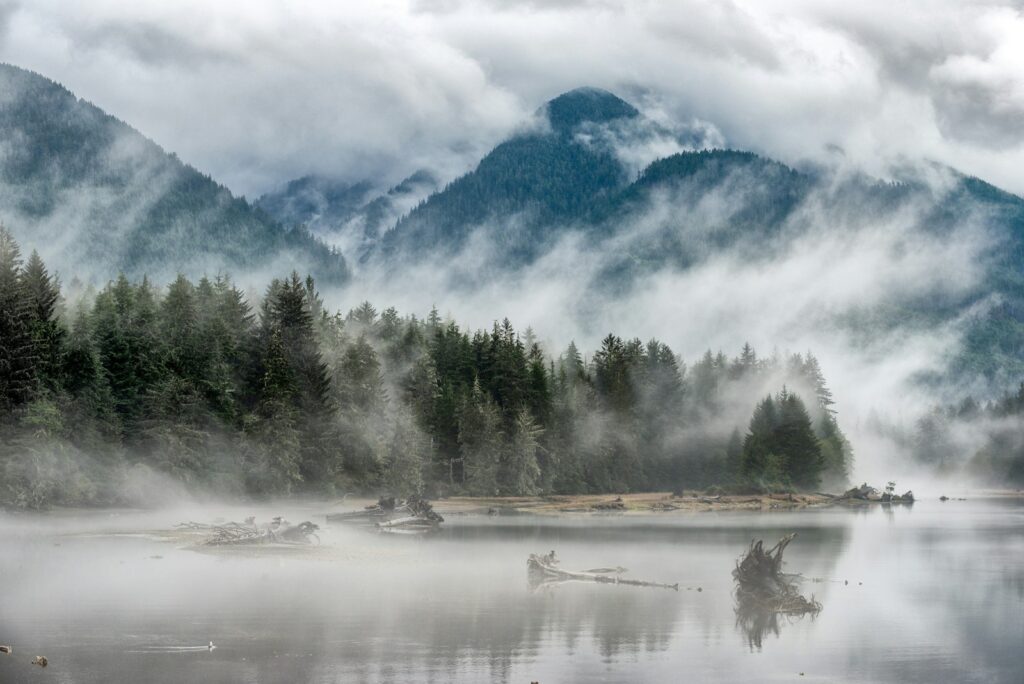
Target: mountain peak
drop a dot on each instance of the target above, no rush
(586, 105)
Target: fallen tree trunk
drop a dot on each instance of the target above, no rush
(542, 569)
(398, 522)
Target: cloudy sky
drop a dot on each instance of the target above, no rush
(261, 91)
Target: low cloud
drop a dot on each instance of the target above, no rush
(259, 93)
(820, 285)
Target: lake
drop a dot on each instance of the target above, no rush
(933, 592)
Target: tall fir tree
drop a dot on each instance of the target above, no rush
(18, 362)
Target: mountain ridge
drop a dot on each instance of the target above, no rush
(88, 188)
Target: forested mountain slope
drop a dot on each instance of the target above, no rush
(98, 197)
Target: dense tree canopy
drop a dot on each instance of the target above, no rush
(193, 382)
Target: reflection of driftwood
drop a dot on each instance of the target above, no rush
(763, 591)
(543, 570)
(413, 516)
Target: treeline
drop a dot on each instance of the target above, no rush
(102, 396)
(983, 439)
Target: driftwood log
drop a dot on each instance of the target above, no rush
(543, 569)
(764, 593)
(761, 584)
(389, 515)
(866, 492)
(278, 531)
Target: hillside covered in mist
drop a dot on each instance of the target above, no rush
(634, 199)
(590, 217)
(140, 389)
(98, 198)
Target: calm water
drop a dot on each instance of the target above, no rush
(935, 593)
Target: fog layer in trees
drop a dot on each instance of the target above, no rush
(120, 393)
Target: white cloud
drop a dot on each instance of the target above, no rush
(259, 92)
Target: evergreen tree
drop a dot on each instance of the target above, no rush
(480, 442)
(797, 442)
(522, 468)
(18, 362)
(408, 451)
(46, 330)
(780, 446)
(191, 384)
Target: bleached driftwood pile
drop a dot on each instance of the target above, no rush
(393, 516)
(866, 492)
(277, 531)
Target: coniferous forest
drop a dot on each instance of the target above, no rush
(137, 389)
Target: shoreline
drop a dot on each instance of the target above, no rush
(646, 503)
(638, 503)
(634, 503)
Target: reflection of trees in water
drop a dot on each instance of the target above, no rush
(458, 612)
(483, 636)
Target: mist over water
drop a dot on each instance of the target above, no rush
(935, 592)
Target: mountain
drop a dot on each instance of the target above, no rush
(570, 177)
(348, 216)
(528, 183)
(96, 197)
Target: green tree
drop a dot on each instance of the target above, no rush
(18, 362)
(480, 442)
(46, 330)
(780, 446)
(522, 468)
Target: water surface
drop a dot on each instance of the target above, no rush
(923, 594)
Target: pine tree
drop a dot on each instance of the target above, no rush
(613, 375)
(408, 450)
(539, 389)
(734, 455)
(179, 329)
(17, 351)
(480, 442)
(46, 330)
(746, 364)
(798, 443)
(522, 468)
(287, 312)
(705, 382)
(781, 446)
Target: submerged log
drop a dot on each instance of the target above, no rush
(543, 569)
